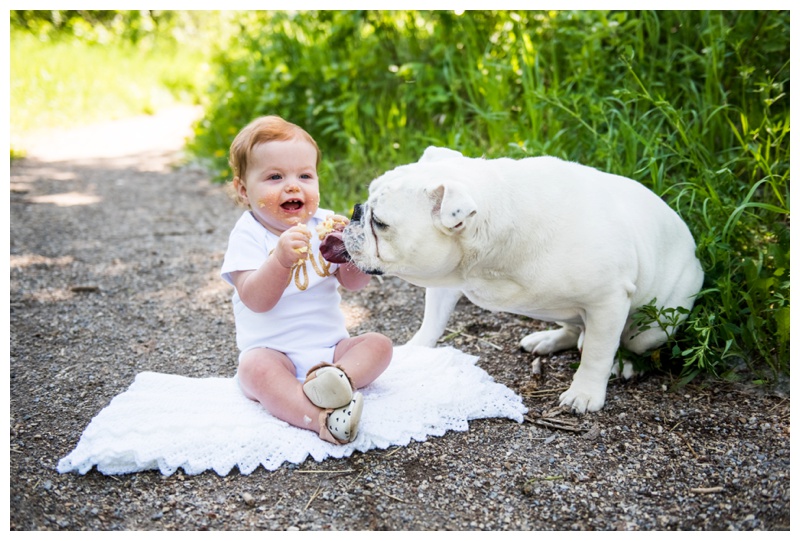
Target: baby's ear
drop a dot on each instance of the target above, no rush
(240, 189)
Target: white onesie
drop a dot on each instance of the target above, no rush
(305, 324)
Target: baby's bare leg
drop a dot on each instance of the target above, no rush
(268, 376)
(364, 357)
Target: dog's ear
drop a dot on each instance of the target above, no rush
(435, 154)
(452, 206)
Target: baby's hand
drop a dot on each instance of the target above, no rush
(293, 245)
(340, 222)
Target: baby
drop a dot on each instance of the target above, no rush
(296, 356)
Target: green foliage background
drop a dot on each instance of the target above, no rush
(693, 104)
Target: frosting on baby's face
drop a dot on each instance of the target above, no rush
(281, 185)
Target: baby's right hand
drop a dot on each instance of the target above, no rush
(293, 245)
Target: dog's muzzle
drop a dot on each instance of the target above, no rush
(354, 238)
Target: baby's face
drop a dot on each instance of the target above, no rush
(281, 186)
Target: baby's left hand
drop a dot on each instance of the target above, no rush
(339, 222)
(333, 223)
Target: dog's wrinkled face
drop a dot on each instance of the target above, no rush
(411, 225)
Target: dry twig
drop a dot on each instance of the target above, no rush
(326, 471)
(557, 424)
(551, 419)
(454, 333)
(689, 445)
(707, 490)
(539, 393)
(393, 451)
(392, 497)
(313, 497)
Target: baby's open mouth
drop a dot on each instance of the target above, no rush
(292, 205)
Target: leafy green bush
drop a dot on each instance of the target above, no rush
(693, 104)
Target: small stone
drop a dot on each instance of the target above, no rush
(593, 433)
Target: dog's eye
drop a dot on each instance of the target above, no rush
(378, 224)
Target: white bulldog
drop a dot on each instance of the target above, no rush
(552, 240)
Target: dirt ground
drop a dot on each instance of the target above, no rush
(114, 260)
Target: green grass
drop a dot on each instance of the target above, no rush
(71, 82)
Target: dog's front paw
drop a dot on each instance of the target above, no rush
(583, 398)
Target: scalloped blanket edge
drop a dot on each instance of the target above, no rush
(165, 422)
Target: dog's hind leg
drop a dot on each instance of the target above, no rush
(544, 342)
(669, 297)
(603, 329)
(439, 304)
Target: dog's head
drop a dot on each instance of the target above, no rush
(412, 223)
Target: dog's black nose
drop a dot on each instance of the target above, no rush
(358, 212)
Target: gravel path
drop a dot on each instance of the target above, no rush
(114, 258)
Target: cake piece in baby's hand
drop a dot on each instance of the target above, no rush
(332, 223)
(303, 249)
(332, 246)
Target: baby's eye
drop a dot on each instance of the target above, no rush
(275, 176)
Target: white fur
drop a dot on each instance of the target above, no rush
(549, 239)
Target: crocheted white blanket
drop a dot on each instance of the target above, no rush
(167, 422)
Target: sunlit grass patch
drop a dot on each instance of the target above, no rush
(71, 82)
